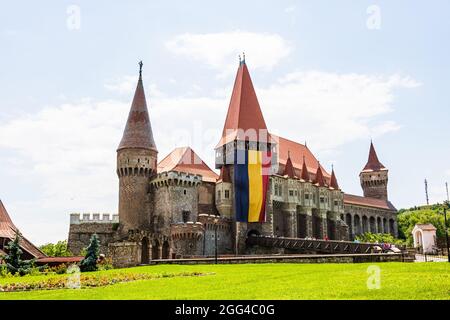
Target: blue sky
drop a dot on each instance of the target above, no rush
(333, 73)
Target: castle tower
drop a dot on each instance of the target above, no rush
(136, 163)
(374, 177)
(244, 129)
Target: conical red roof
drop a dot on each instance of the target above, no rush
(289, 168)
(305, 173)
(138, 131)
(244, 112)
(333, 180)
(320, 180)
(373, 164)
(4, 217)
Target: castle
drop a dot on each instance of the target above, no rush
(179, 207)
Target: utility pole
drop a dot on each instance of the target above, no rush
(426, 192)
(446, 188)
(446, 205)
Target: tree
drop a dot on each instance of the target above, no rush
(13, 259)
(89, 263)
(58, 249)
(379, 238)
(428, 214)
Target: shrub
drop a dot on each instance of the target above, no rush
(105, 264)
(379, 238)
(13, 260)
(89, 263)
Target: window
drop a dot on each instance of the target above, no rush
(227, 194)
(291, 193)
(322, 200)
(184, 191)
(306, 196)
(186, 215)
(276, 189)
(219, 195)
(336, 203)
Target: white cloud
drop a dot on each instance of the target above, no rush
(122, 85)
(330, 109)
(70, 150)
(220, 50)
(290, 9)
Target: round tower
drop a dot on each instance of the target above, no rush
(136, 163)
(374, 177)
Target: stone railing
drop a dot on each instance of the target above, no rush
(79, 218)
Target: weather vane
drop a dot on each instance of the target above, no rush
(140, 68)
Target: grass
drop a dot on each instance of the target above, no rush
(263, 281)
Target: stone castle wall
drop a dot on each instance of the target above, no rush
(83, 226)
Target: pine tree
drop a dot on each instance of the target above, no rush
(89, 263)
(13, 260)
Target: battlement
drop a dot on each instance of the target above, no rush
(188, 230)
(176, 178)
(208, 220)
(80, 218)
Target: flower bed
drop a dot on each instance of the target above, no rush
(90, 281)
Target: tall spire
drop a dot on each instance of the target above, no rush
(289, 168)
(373, 163)
(244, 112)
(320, 180)
(138, 131)
(305, 174)
(333, 180)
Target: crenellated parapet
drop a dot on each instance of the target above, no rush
(210, 221)
(82, 218)
(175, 178)
(189, 230)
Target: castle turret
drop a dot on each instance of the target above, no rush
(136, 163)
(244, 129)
(374, 177)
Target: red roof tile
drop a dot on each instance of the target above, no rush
(368, 202)
(320, 180)
(333, 180)
(244, 112)
(186, 160)
(305, 173)
(373, 164)
(59, 260)
(138, 130)
(289, 168)
(297, 152)
(8, 230)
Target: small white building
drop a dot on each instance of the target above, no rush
(424, 237)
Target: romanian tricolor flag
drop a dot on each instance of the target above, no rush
(251, 178)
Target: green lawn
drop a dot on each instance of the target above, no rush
(264, 281)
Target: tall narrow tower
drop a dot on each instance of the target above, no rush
(244, 129)
(136, 163)
(374, 177)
